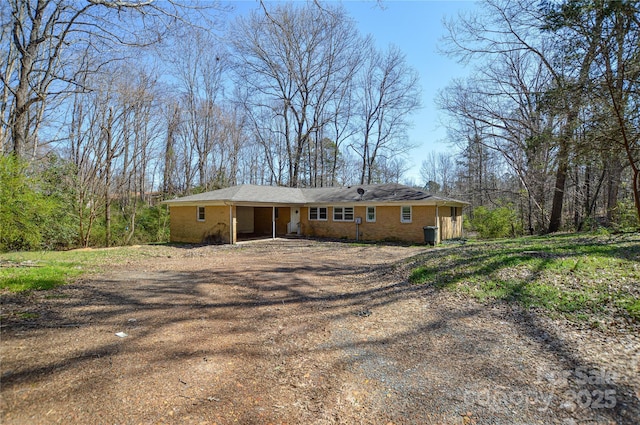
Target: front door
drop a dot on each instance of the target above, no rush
(295, 220)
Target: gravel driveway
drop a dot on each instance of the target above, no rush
(300, 332)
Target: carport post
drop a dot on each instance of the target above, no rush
(273, 222)
(231, 229)
(437, 225)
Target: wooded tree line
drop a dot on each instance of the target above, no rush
(548, 124)
(110, 105)
(136, 101)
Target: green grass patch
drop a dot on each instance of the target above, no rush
(43, 270)
(581, 276)
(360, 244)
(631, 305)
(39, 277)
(423, 274)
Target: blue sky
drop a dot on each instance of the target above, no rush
(416, 28)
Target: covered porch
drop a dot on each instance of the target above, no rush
(266, 222)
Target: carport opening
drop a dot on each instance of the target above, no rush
(257, 223)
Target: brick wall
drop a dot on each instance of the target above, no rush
(186, 228)
(387, 226)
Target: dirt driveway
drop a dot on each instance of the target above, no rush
(299, 332)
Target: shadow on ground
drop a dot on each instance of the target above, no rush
(322, 334)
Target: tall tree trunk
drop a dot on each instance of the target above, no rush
(614, 178)
(20, 124)
(577, 224)
(107, 183)
(576, 97)
(132, 225)
(555, 220)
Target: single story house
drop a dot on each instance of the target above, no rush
(381, 212)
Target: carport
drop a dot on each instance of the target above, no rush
(259, 222)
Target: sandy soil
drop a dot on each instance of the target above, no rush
(299, 332)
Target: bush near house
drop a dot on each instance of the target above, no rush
(27, 216)
(495, 223)
(37, 211)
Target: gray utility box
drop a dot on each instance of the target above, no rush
(430, 235)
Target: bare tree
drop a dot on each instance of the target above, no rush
(172, 119)
(503, 110)
(141, 136)
(511, 31)
(390, 170)
(86, 155)
(619, 64)
(429, 172)
(113, 134)
(198, 63)
(388, 94)
(341, 127)
(43, 43)
(292, 62)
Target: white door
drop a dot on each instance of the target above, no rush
(295, 220)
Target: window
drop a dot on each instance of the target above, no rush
(348, 213)
(405, 214)
(317, 213)
(454, 213)
(200, 213)
(371, 214)
(342, 213)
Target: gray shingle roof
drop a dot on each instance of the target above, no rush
(247, 193)
(286, 195)
(374, 192)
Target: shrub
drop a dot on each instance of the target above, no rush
(153, 224)
(56, 183)
(497, 223)
(625, 217)
(23, 211)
